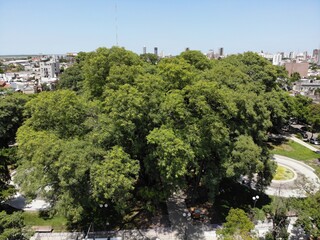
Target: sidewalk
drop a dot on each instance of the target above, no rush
(183, 225)
(297, 140)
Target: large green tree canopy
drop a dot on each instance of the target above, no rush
(137, 130)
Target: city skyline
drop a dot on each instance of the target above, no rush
(33, 27)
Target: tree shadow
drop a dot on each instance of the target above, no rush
(9, 209)
(231, 194)
(45, 214)
(235, 195)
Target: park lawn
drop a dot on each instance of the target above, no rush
(294, 150)
(283, 173)
(58, 223)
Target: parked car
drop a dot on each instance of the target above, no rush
(314, 141)
(305, 137)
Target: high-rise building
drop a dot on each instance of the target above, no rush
(292, 55)
(305, 55)
(144, 50)
(156, 51)
(315, 53)
(221, 51)
(276, 60)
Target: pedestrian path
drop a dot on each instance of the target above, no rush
(181, 221)
(297, 140)
(306, 180)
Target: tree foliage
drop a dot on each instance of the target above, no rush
(237, 226)
(137, 130)
(11, 118)
(12, 226)
(308, 214)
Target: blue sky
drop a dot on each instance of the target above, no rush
(61, 26)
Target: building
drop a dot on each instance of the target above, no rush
(221, 51)
(305, 55)
(210, 54)
(49, 68)
(292, 55)
(144, 50)
(306, 87)
(276, 60)
(301, 68)
(156, 51)
(315, 54)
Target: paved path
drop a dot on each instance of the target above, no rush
(18, 201)
(306, 179)
(183, 225)
(307, 145)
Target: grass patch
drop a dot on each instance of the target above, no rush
(283, 173)
(58, 223)
(294, 150)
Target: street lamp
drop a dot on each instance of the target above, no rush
(255, 199)
(187, 216)
(104, 206)
(92, 223)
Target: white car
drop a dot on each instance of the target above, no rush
(314, 141)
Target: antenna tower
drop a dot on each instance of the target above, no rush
(116, 20)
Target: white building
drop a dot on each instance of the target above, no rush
(268, 56)
(276, 60)
(49, 68)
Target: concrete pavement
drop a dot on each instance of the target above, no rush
(18, 201)
(306, 179)
(182, 224)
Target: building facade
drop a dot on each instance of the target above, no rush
(301, 68)
(49, 68)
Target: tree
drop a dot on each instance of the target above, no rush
(171, 154)
(314, 117)
(150, 58)
(244, 158)
(62, 112)
(114, 178)
(295, 77)
(196, 59)
(71, 78)
(176, 72)
(97, 66)
(11, 117)
(308, 214)
(278, 210)
(12, 226)
(154, 128)
(237, 226)
(281, 107)
(301, 108)
(7, 158)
